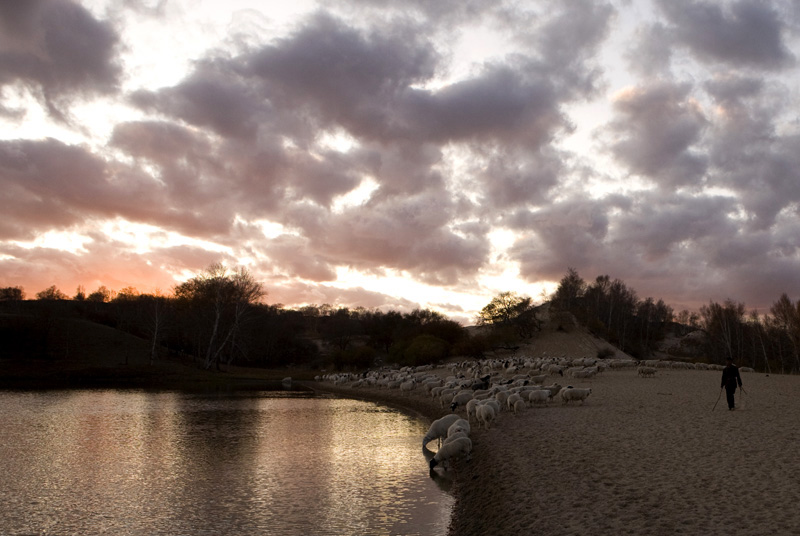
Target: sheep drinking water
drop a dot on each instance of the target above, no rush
(452, 450)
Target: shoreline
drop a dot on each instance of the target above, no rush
(641, 456)
(466, 485)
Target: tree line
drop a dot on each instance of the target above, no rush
(613, 310)
(219, 318)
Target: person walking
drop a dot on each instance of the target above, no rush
(730, 379)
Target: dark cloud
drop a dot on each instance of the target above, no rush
(568, 40)
(49, 184)
(663, 227)
(213, 97)
(512, 179)
(341, 76)
(45, 185)
(687, 249)
(410, 233)
(59, 50)
(569, 233)
(655, 132)
(503, 104)
(294, 257)
(289, 130)
(651, 51)
(749, 153)
(746, 32)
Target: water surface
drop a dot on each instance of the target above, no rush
(139, 463)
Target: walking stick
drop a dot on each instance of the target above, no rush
(717, 402)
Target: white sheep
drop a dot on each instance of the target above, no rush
(430, 384)
(461, 399)
(502, 397)
(485, 414)
(455, 449)
(554, 389)
(494, 403)
(512, 399)
(539, 396)
(408, 386)
(574, 393)
(471, 405)
(646, 372)
(519, 406)
(461, 425)
(455, 436)
(439, 428)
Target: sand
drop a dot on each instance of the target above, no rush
(641, 456)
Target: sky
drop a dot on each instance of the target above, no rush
(396, 155)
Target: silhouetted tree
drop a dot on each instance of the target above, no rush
(786, 316)
(101, 295)
(51, 293)
(222, 298)
(570, 288)
(510, 310)
(12, 294)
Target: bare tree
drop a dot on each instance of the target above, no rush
(224, 297)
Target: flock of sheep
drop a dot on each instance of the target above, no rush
(481, 389)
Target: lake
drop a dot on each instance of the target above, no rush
(279, 463)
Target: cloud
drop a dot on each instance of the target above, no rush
(340, 76)
(410, 233)
(562, 234)
(746, 33)
(656, 127)
(360, 141)
(750, 152)
(213, 97)
(651, 53)
(294, 257)
(58, 50)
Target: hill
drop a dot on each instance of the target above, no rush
(43, 353)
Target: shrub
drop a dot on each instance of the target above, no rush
(425, 350)
(359, 357)
(472, 346)
(606, 353)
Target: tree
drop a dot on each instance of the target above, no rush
(510, 315)
(80, 293)
(501, 310)
(155, 311)
(12, 294)
(786, 316)
(724, 325)
(101, 295)
(340, 327)
(570, 288)
(51, 293)
(222, 298)
(127, 294)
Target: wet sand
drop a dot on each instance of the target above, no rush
(641, 456)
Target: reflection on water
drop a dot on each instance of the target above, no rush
(136, 463)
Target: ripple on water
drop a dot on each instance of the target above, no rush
(131, 463)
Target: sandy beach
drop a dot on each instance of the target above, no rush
(641, 456)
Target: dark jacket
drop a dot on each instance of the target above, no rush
(730, 377)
